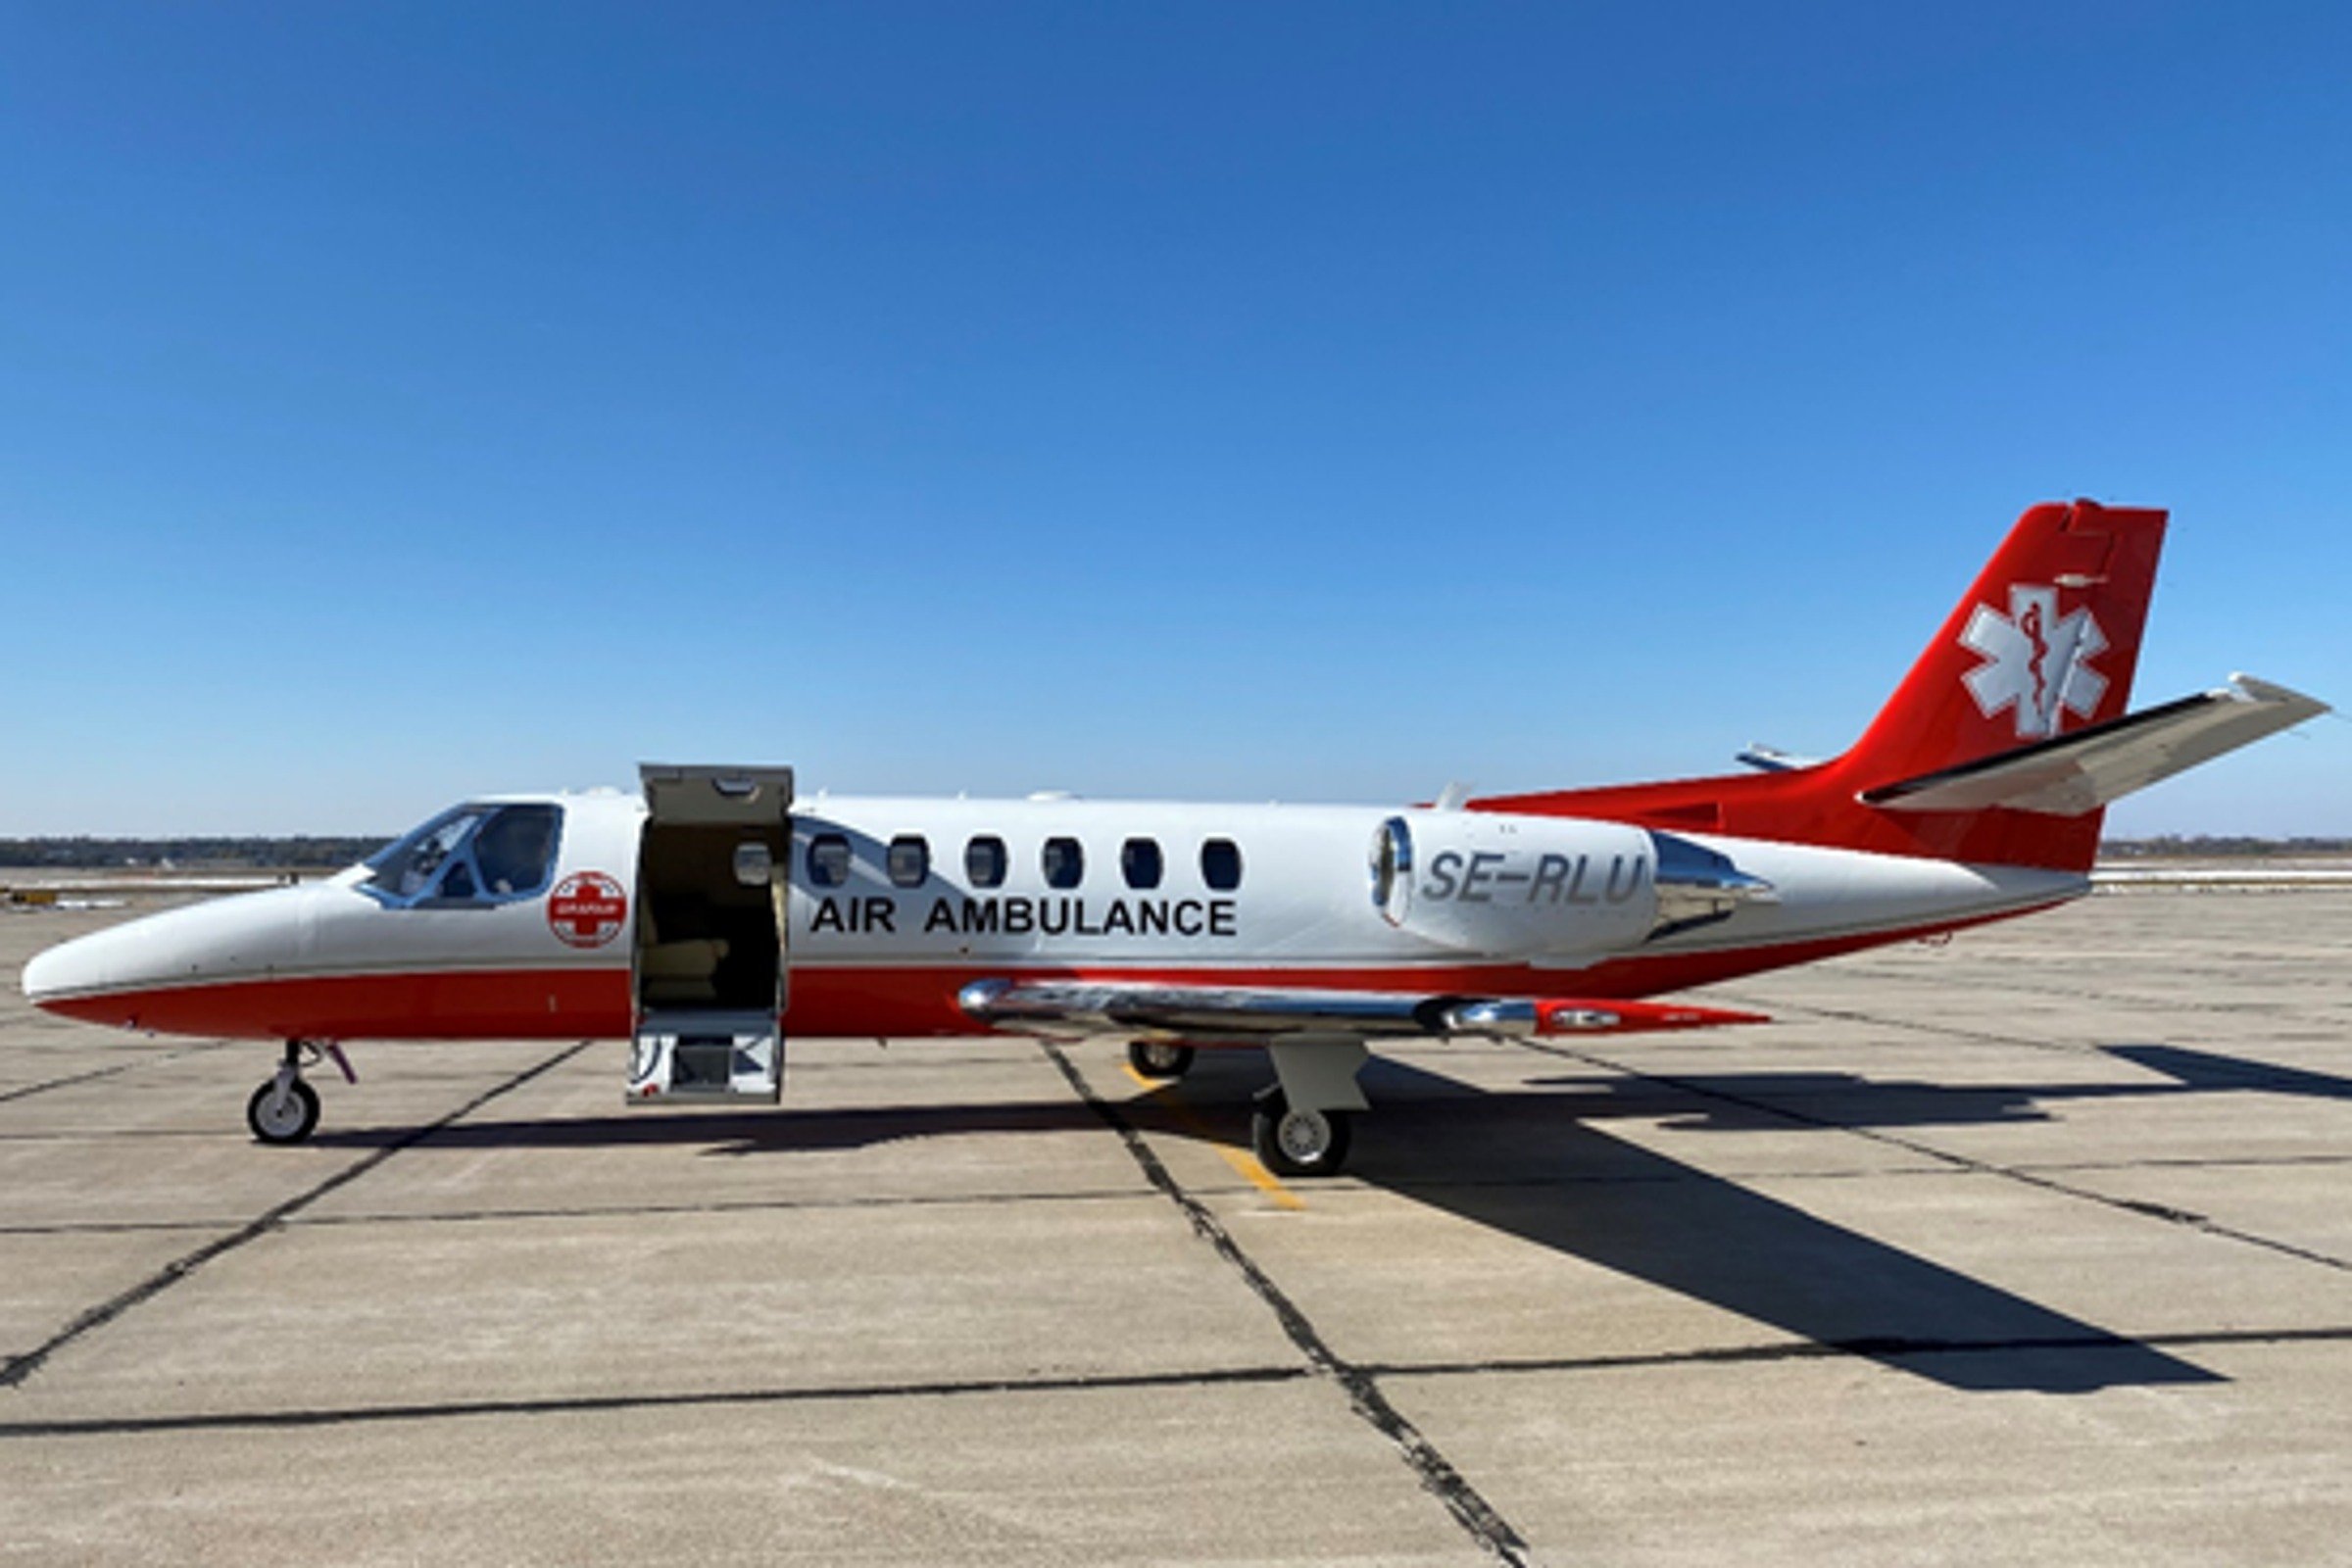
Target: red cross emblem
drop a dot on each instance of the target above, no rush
(587, 909)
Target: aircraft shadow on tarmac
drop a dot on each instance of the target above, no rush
(1530, 1167)
(1531, 1163)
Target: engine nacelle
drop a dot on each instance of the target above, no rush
(1559, 887)
(1486, 882)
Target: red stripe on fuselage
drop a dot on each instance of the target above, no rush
(433, 1004)
(574, 1004)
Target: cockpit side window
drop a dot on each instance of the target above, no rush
(515, 851)
(474, 856)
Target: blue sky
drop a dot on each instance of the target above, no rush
(1300, 402)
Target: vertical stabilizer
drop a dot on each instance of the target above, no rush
(2045, 643)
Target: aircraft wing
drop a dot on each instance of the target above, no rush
(2071, 774)
(1248, 1014)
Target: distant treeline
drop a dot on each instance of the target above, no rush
(2172, 846)
(187, 855)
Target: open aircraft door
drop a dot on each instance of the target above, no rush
(710, 968)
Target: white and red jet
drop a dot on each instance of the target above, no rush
(698, 920)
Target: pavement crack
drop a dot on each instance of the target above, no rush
(21, 1091)
(596, 1403)
(2071, 991)
(20, 1367)
(1948, 1031)
(748, 1205)
(1437, 1476)
(1877, 1348)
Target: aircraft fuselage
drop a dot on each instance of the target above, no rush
(1190, 894)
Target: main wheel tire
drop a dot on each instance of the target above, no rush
(286, 1121)
(1159, 1058)
(1297, 1143)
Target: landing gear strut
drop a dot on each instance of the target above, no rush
(285, 1108)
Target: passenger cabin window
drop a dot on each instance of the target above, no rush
(474, 856)
(1221, 864)
(984, 861)
(909, 861)
(1064, 862)
(1140, 862)
(828, 860)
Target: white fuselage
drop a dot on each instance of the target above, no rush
(1490, 903)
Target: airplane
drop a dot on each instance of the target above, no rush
(699, 919)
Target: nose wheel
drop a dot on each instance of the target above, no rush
(285, 1108)
(282, 1112)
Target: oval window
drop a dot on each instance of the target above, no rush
(828, 860)
(755, 864)
(909, 861)
(1221, 864)
(1140, 862)
(1064, 862)
(984, 861)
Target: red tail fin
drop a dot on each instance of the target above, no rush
(2045, 643)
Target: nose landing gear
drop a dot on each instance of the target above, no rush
(284, 1109)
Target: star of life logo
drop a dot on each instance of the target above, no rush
(2036, 660)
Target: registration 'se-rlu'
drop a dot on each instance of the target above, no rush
(700, 919)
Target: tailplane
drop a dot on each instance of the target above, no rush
(2069, 775)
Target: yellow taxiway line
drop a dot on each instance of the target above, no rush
(1241, 1160)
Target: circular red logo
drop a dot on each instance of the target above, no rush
(587, 909)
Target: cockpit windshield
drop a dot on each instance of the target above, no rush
(470, 855)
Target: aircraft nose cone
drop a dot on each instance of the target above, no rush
(40, 981)
(72, 969)
(99, 977)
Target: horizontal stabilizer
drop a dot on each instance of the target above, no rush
(1772, 760)
(2071, 774)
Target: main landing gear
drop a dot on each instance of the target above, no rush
(1303, 1137)
(1300, 1123)
(1159, 1058)
(1290, 1141)
(285, 1108)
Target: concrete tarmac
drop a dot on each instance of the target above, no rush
(2034, 1248)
